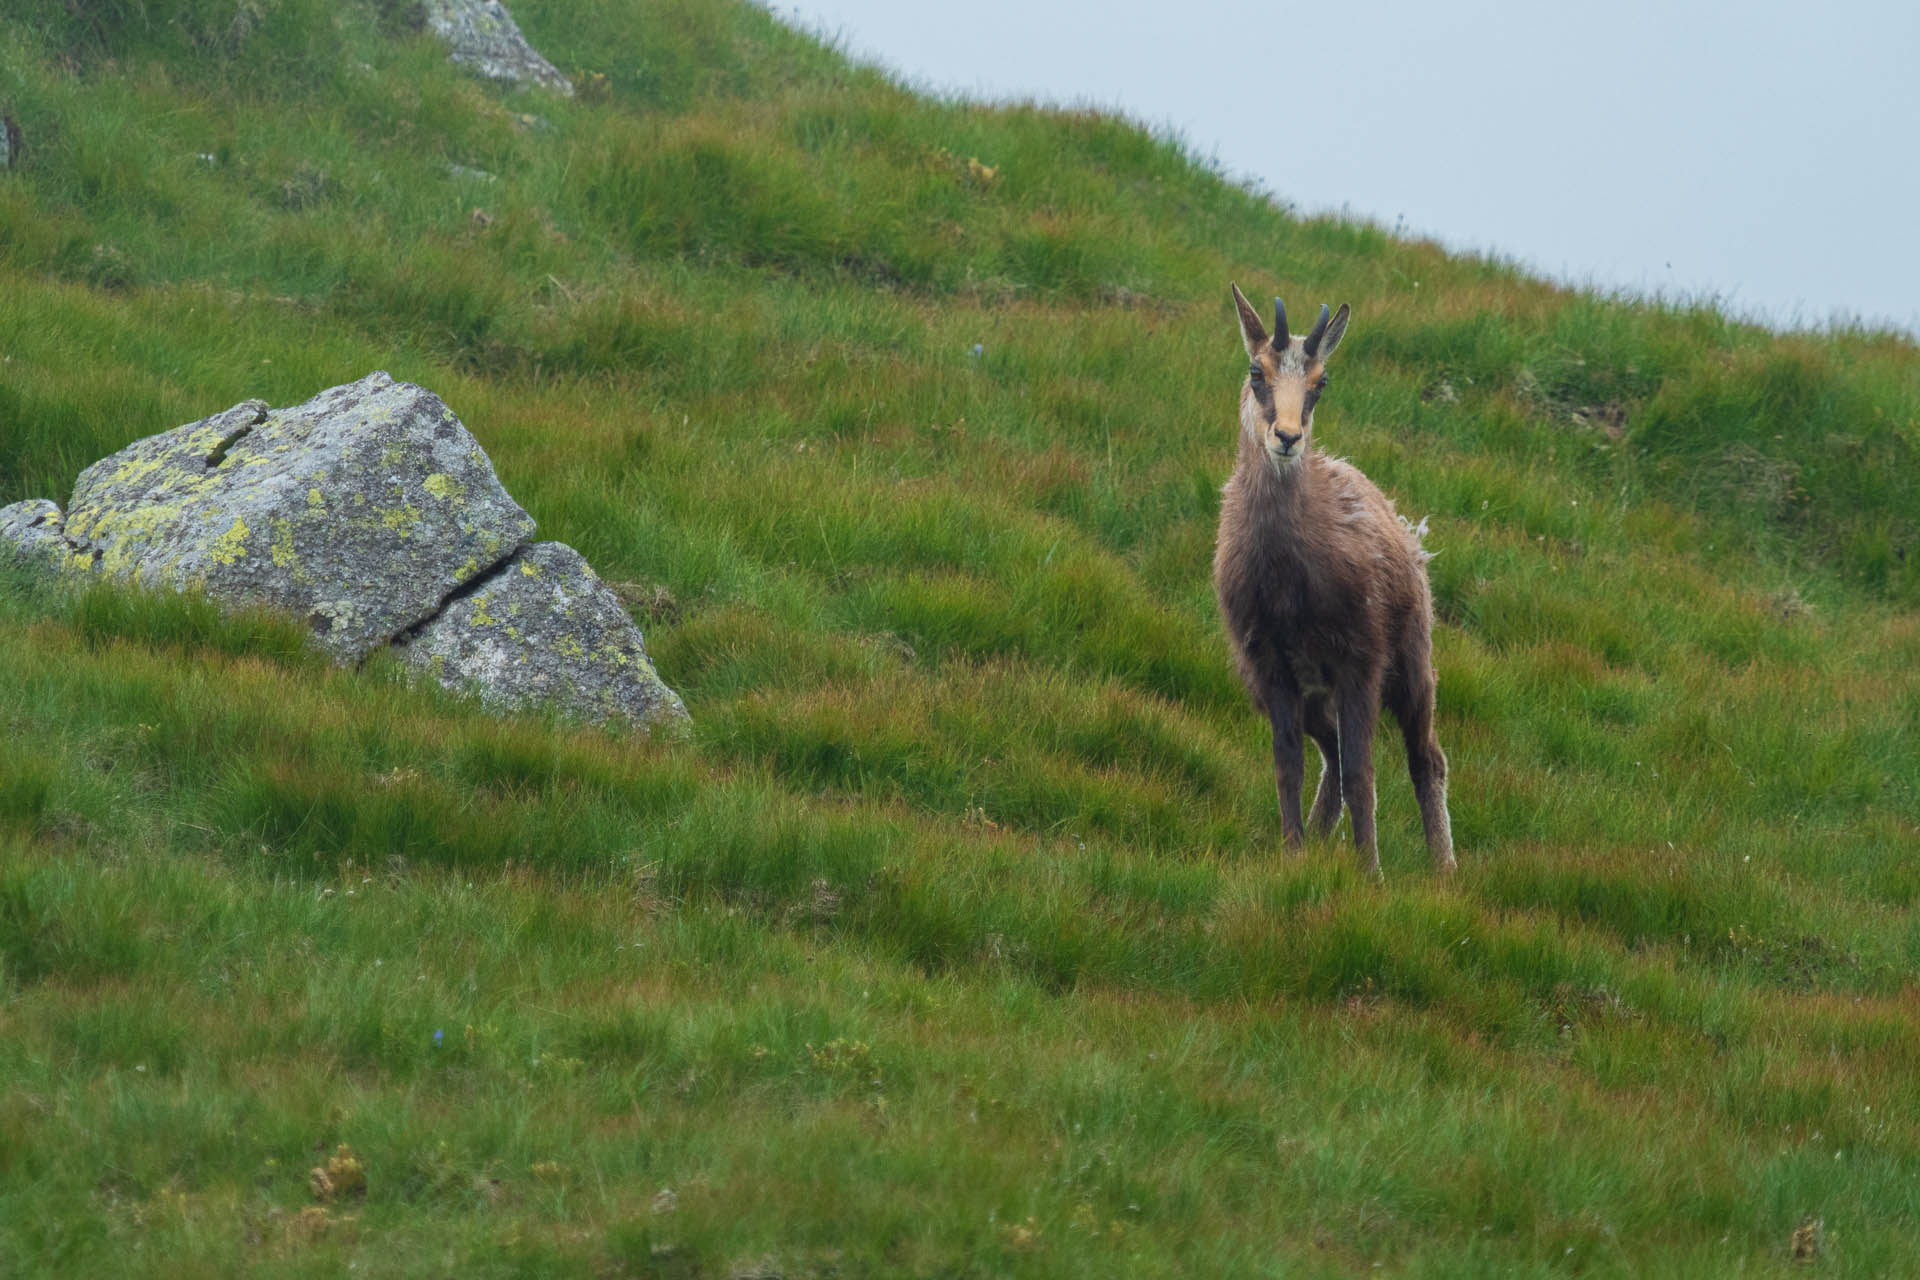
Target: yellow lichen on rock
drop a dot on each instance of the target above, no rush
(230, 546)
(401, 519)
(284, 555)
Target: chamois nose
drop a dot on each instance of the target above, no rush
(1286, 440)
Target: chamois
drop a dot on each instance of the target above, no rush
(1323, 590)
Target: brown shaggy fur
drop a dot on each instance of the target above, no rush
(1323, 589)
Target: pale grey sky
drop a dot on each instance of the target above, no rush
(1766, 153)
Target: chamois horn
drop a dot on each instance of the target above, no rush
(1319, 331)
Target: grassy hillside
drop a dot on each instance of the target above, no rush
(958, 940)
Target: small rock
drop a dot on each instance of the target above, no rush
(30, 535)
(486, 39)
(9, 142)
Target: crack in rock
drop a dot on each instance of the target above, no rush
(257, 414)
(543, 630)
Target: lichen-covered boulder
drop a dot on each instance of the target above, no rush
(486, 39)
(370, 512)
(359, 511)
(30, 535)
(543, 630)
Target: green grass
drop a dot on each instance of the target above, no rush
(957, 940)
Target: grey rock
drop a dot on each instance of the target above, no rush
(359, 511)
(486, 39)
(543, 630)
(373, 514)
(30, 535)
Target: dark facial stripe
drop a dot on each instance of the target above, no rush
(1313, 398)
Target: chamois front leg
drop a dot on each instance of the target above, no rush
(1359, 706)
(1326, 734)
(1426, 764)
(1289, 764)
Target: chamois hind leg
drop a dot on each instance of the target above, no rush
(1359, 707)
(1289, 765)
(1412, 706)
(1326, 735)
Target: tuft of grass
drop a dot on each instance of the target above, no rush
(100, 614)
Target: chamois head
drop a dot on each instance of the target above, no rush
(1285, 376)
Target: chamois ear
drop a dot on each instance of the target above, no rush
(1336, 329)
(1251, 331)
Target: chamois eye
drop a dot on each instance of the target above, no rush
(1256, 374)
